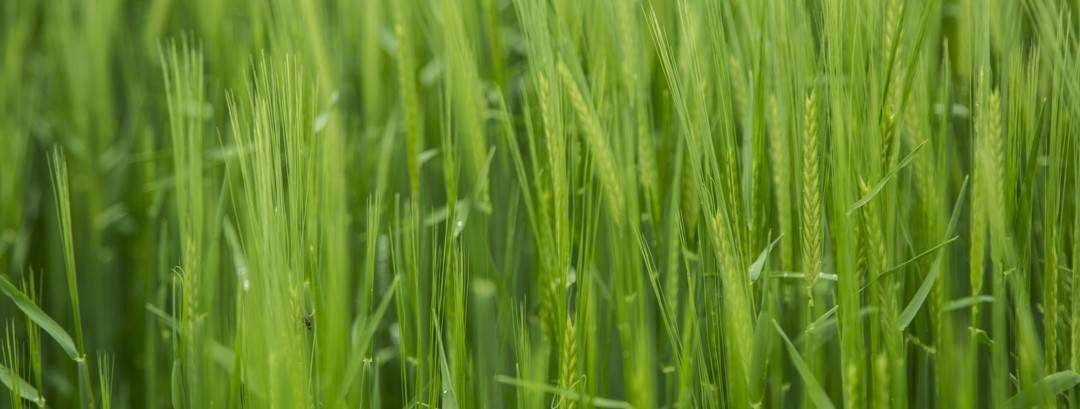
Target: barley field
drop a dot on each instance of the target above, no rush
(539, 204)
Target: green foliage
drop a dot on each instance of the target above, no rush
(539, 203)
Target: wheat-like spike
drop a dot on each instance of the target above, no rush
(671, 286)
(860, 249)
(893, 39)
(811, 199)
(555, 140)
(713, 327)
(737, 306)
(874, 234)
(888, 119)
(877, 264)
(184, 86)
(543, 89)
(778, 151)
(556, 146)
(548, 294)
(738, 83)
(597, 143)
(993, 130)
(690, 206)
(852, 382)
(922, 166)
(986, 185)
(892, 16)
(992, 172)
(777, 147)
(888, 129)
(882, 382)
(646, 152)
(627, 43)
(568, 367)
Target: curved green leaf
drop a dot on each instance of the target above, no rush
(965, 302)
(813, 388)
(26, 390)
(580, 397)
(928, 283)
(1047, 388)
(40, 318)
(909, 261)
(892, 173)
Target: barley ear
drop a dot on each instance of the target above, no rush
(568, 367)
(811, 199)
(598, 145)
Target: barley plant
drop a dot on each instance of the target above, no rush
(539, 203)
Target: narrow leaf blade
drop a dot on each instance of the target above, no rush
(892, 173)
(928, 283)
(817, 393)
(356, 361)
(26, 390)
(759, 358)
(1047, 388)
(40, 318)
(755, 269)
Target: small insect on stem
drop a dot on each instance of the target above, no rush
(309, 320)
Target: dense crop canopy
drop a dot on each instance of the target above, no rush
(539, 203)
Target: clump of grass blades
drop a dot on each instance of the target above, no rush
(533, 203)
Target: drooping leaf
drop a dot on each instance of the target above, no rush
(928, 283)
(924, 254)
(813, 387)
(27, 391)
(881, 184)
(965, 302)
(1047, 388)
(591, 400)
(909, 261)
(40, 318)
